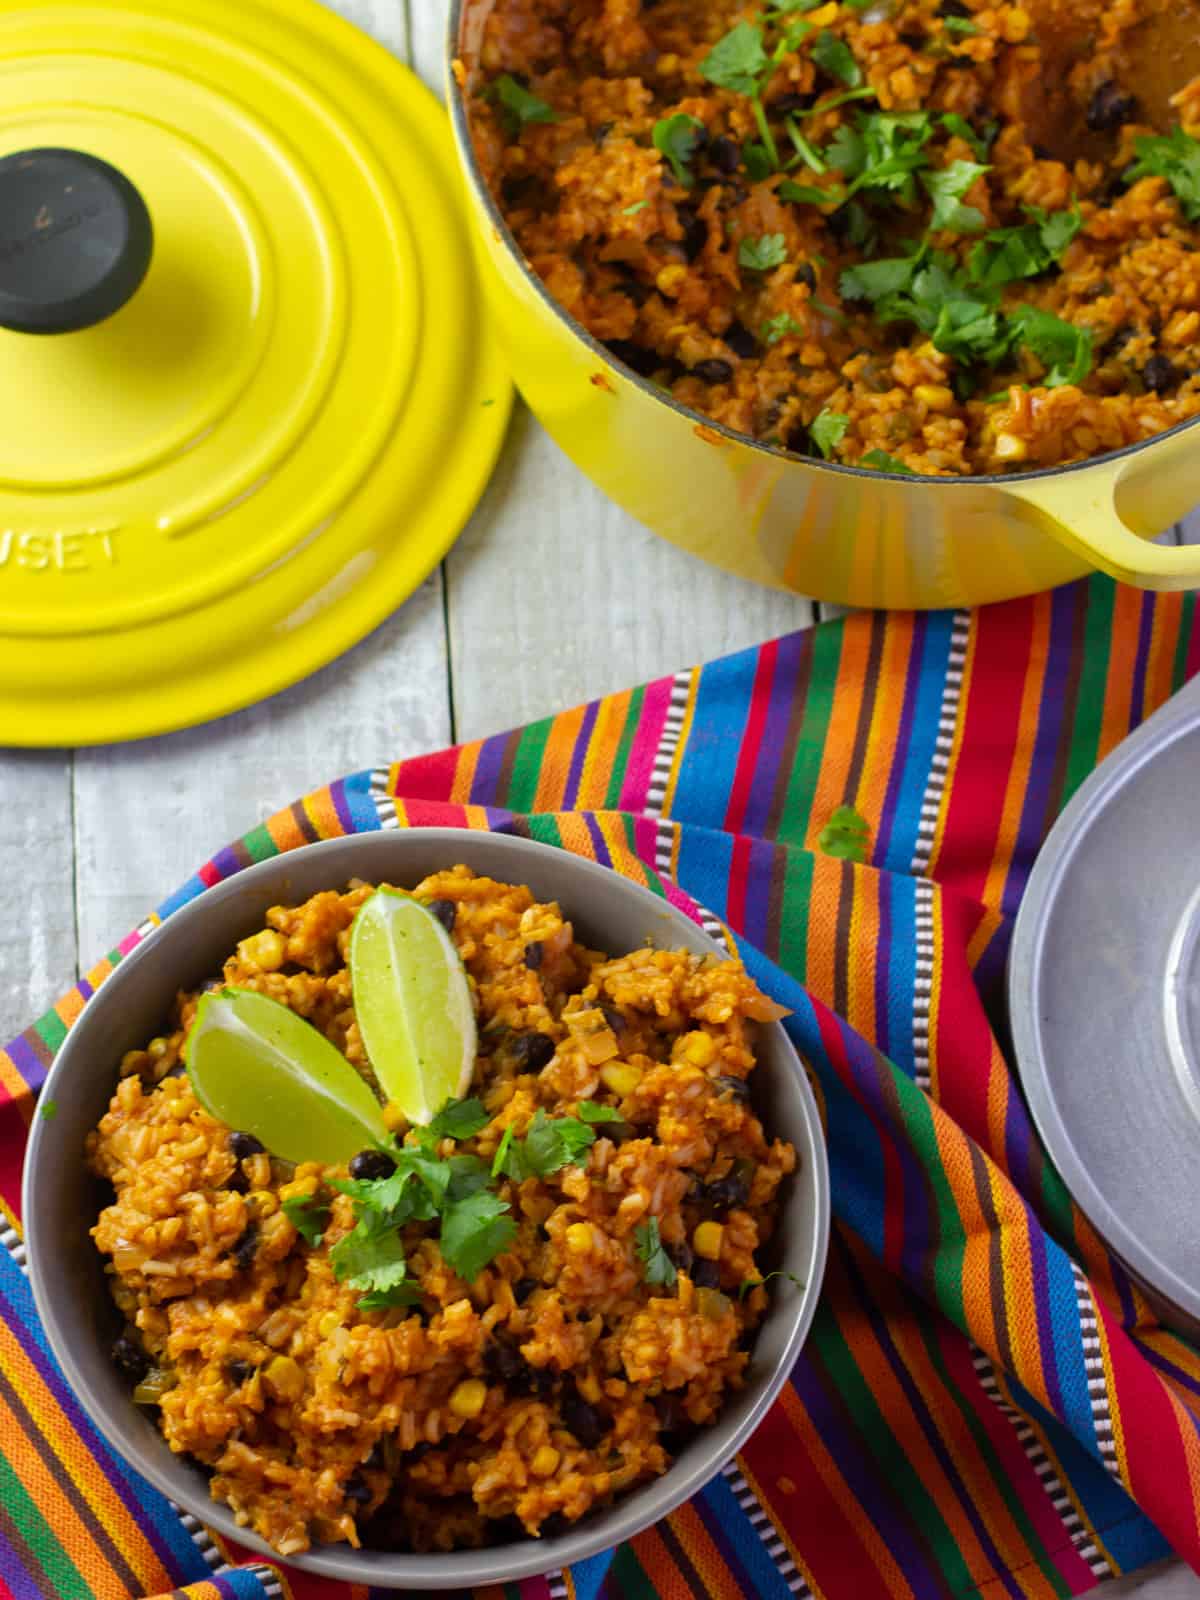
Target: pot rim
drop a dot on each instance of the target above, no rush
(466, 147)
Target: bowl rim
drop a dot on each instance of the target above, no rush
(460, 121)
(459, 1569)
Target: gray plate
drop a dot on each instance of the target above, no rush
(1104, 992)
(61, 1200)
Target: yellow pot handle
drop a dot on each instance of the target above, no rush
(1079, 508)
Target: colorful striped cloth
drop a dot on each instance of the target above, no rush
(986, 1405)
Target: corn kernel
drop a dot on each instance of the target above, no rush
(936, 396)
(579, 1238)
(1010, 448)
(328, 1323)
(284, 1378)
(589, 1387)
(266, 1204)
(823, 17)
(157, 1048)
(545, 1459)
(621, 1077)
(467, 1399)
(700, 1049)
(706, 1241)
(670, 278)
(265, 951)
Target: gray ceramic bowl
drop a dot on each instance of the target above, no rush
(61, 1199)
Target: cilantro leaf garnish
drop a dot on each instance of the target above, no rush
(883, 150)
(963, 26)
(459, 1119)
(757, 161)
(846, 834)
(48, 1110)
(804, 149)
(760, 255)
(778, 327)
(1007, 254)
(1174, 156)
(520, 106)
(747, 1284)
(806, 195)
(632, 211)
(1062, 348)
(946, 189)
(827, 430)
(980, 143)
(308, 1216)
(369, 1258)
(833, 56)
(882, 462)
(474, 1232)
(590, 1111)
(678, 138)
(553, 1143)
(498, 1160)
(872, 280)
(737, 60)
(789, 7)
(468, 1174)
(657, 1264)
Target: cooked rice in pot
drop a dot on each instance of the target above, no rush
(558, 1378)
(696, 194)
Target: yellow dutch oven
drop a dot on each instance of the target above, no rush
(837, 533)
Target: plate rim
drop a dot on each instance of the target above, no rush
(1179, 715)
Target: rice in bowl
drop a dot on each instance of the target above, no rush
(573, 1365)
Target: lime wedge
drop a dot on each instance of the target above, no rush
(413, 1004)
(263, 1070)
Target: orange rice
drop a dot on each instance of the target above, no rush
(510, 1405)
(653, 268)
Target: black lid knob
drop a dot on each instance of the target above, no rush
(75, 241)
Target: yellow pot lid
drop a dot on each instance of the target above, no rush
(222, 484)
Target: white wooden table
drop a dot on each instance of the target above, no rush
(93, 838)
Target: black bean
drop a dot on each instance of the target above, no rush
(644, 362)
(712, 371)
(541, 1381)
(798, 440)
(618, 1132)
(1041, 152)
(724, 1194)
(370, 1164)
(806, 274)
(356, 1489)
(954, 8)
(633, 290)
(238, 1372)
(523, 1288)
(695, 232)
(525, 193)
(787, 104)
(237, 1181)
(914, 40)
(583, 1420)
(503, 1363)
(675, 1427)
(446, 911)
(1117, 341)
(533, 955)
(556, 1523)
(246, 1248)
(614, 1018)
(601, 132)
(724, 154)
(533, 1051)
(1160, 374)
(421, 1448)
(130, 1360)
(681, 1255)
(740, 340)
(705, 1274)
(1110, 107)
(739, 1088)
(244, 1145)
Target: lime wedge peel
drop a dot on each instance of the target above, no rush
(413, 1004)
(262, 1069)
